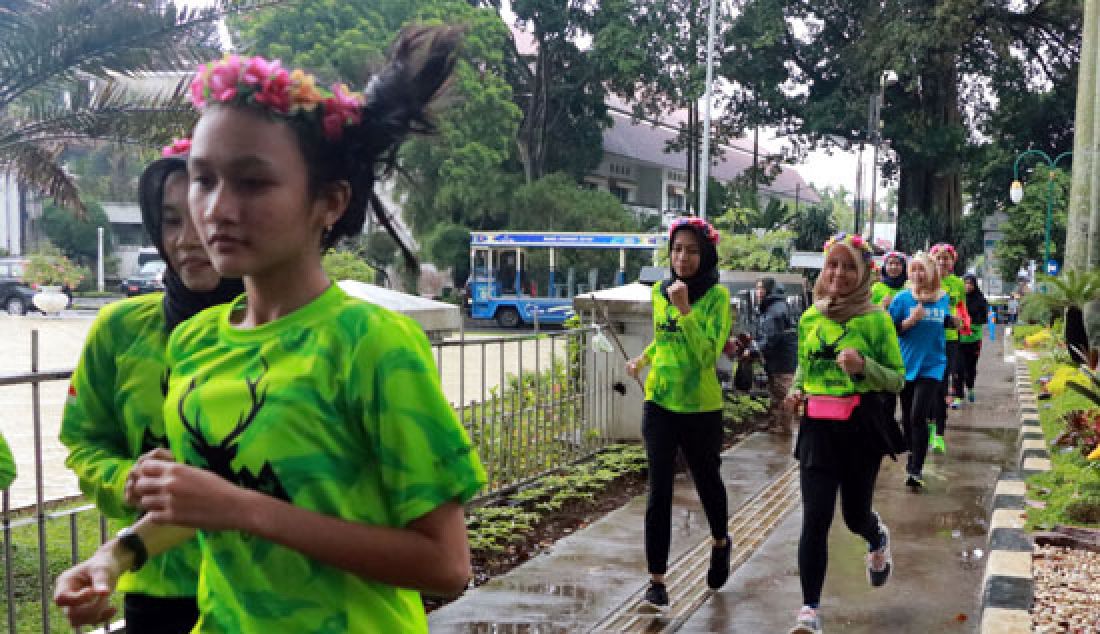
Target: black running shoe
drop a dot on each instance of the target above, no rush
(656, 597)
(719, 565)
(914, 482)
(880, 562)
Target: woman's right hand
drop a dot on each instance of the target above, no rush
(635, 365)
(916, 313)
(132, 498)
(83, 592)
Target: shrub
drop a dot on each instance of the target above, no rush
(53, 269)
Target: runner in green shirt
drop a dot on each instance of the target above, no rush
(113, 416)
(893, 280)
(848, 355)
(317, 456)
(7, 464)
(683, 407)
(945, 256)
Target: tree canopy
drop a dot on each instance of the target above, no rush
(815, 65)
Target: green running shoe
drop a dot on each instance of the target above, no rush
(938, 445)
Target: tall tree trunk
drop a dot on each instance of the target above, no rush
(531, 143)
(1079, 235)
(931, 186)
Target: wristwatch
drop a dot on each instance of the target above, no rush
(130, 540)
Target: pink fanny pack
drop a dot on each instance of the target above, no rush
(831, 407)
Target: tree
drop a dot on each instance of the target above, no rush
(945, 53)
(560, 88)
(63, 69)
(757, 251)
(1025, 229)
(448, 246)
(460, 175)
(76, 236)
(656, 50)
(815, 226)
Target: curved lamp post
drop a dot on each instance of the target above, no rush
(1016, 191)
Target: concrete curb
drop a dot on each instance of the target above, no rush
(1008, 588)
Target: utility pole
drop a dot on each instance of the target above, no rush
(704, 163)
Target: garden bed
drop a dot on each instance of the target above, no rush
(1064, 506)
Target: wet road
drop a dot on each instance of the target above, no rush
(939, 540)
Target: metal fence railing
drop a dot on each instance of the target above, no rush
(531, 403)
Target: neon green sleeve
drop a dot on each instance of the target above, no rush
(90, 426)
(884, 369)
(7, 464)
(796, 382)
(426, 456)
(707, 327)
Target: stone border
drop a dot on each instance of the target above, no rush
(1008, 588)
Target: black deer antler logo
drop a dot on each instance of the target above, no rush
(219, 457)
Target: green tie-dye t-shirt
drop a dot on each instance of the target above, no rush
(684, 351)
(956, 290)
(880, 291)
(820, 340)
(113, 415)
(336, 408)
(7, 464)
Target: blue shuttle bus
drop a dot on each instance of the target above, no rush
(499, 289)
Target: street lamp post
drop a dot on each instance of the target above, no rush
(1016, 191)
(886, 78)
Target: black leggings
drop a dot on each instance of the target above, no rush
(699, 435)
(940, 410)
(968, 362)
(855, 481)
(917, 400)
(159, 615)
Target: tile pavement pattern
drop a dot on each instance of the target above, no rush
(1008, 586)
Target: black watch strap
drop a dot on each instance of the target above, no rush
(136, 545)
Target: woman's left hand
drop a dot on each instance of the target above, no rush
(173, 493)
(850, 360)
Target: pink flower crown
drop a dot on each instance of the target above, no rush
(855, 241)
(177, 148)
(943, 247)
(698, 223)
(257, 81)
(895, 254)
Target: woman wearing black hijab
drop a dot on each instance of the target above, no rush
(683, 408)
(970, 344)
(113, 417)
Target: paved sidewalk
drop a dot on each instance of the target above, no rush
(939, 541)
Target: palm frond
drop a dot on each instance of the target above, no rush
(32, 140)
(57, 40)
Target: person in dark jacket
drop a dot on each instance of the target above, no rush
(970, 345)
(777, 341)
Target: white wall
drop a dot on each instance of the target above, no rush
(9, 215)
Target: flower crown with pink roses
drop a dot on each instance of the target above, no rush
(853, 240)
(260, 82)
(943, 247)
(695, 222)
(178, 148)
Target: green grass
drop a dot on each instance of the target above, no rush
(25, 568)
(1073, 483)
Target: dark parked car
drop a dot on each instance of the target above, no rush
(146, 280)
(16, 298)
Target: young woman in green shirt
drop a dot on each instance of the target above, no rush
(315, 453)
(951, 387)
(848, 355)
(683, 407)
(893, 280)
(113, 418)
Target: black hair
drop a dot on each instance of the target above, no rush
(180, 302)
(398, 97)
